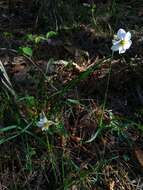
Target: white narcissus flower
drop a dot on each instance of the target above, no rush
(44, 123)
(122, 41)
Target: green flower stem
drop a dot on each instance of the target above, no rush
(106, 92)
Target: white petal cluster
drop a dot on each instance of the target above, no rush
(122, 41)
(44, 123)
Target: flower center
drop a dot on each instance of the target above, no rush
(122, 42)
(46, 125)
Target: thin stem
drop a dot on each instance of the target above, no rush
(106, 92)
(51, 156)
(104, 104)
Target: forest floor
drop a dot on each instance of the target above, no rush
(95, 141)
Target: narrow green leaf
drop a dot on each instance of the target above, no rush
(7, 139)
(94, 136)
(73, 101)
(8, 128)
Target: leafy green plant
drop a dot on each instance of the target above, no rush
(26, 51)
(38, 38)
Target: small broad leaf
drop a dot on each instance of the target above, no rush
(26, 51)
(30, 37)
(51, 34)
(38, 39)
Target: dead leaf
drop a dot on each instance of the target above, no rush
(63, 141)
(78, 68)
(111, 185)
(139, 156)
(75, 139)
(74, 187)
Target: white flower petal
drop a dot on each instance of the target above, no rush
(44, 119)
(44, 129)
(121, 34)
(115, 47)
(128, 36)
(127, 44)
(121, 50)
(40, 124)
(115, 42)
